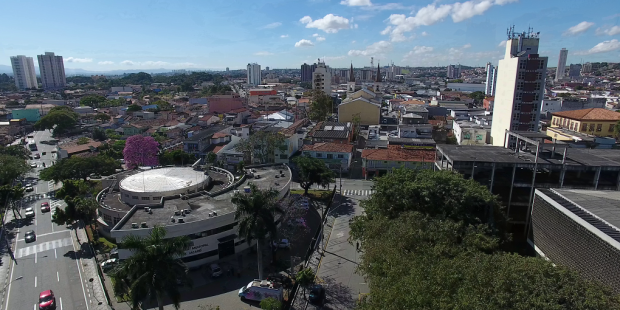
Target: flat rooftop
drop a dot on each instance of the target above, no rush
(202, 205)
(498, 154)
(163, 179)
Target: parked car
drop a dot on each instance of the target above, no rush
(47, 300)
(29, 188)
(37, 156)
(33, 165)
(317, 295)
(29, 212)
(30, 236)
(282, 244)
(259, 289)
(215, 270)
(109, 264)
(45, 207)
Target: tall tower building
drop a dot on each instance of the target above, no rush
(494, 79)
(453, 72)
(23, 72)
(306, 72)
(351, 82)
(520, 87)
(489, 80)
(52, 71)
(574, 71)
(322, 78)
(561, 70)
(254, 75)
(378, 83)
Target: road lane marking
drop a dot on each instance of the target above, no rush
(35, 281)
(35, 259)
(57, 276)
(55, 254)
(8, 294)
(60, 303)
(80, 273)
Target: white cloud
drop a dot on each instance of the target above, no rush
(377, 48)
(263, 54)
(609, 31)
(354, 26)
(424, 34)
(353, 42)
(578, 29)
(304, 42)
(330, 23)
(386, 30)
(127, 62)
(502, 44)
(427, 56)
(315, 35)
(603, 47)
(284, 36)
(81, 60)
(433, 13)
(320, 39)
(272, 25)
(356, 2)
(421, 49)
(107, 62)
(467, 45)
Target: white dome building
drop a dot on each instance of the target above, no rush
(149, 186)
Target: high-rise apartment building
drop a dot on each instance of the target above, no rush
(227, 70)
(574, 71)
(520, 87)
(494, 79)
(254, 74)
(586, 68)
(488, 89)
(52, 71)
(306, 72)
(322, 78)
(267, 69)
(561, 69)
(453, 72)
(23, 72)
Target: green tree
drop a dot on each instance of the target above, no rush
(321, 105)
(77, 209)
(11, 194)
(312, 171)
(163, 105)
(18, 151)
(270, 304)
(92, 100)
(79, 168)
(255, 213)
(103, 117)
(478, 96)
(154, 268)
(11, 167)
(134, 108)
(99, 135)
(83, 140)
(211, 157)
(176, 157)
(305, 278)
(262, 145)
(59, 120)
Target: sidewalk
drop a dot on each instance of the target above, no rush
(6, 261)
(88, 264)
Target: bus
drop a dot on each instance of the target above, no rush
(32, 145)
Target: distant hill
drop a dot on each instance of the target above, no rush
(71, 71)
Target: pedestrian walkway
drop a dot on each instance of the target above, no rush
(6, 261)
(357, 192)
(94, 288)
(46, 246)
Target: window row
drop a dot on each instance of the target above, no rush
(329, 156)
(213, 231)
(144, 198)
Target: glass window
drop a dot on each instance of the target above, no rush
(330, 156)
(340, 156)
(584, 127)
(599, 127)
(134, 197)
(145, 198)
(319, 155)
(157, 198)
(611, 127)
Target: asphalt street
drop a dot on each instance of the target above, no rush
(50, 261)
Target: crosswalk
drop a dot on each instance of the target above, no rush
(50, 185)
(357, 192)
(45, 246)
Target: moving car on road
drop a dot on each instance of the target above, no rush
(33, 165)
(30, 236)
(45, 207)
(29, 212)
(47, 300)
(37, 156)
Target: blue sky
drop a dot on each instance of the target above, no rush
(141, 34)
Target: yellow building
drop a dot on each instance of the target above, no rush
(595, 121)
(364, 103)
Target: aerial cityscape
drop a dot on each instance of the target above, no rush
(346, 154)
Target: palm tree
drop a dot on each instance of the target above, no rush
(256, 217)
(155, 267)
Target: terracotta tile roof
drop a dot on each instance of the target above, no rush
(592, 114)
(218, 135)
(397, 153)
(81, 148)
(328, 147)
(240, 110)
(294, 127)
(218, 148)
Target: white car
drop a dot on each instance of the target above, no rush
(33, 165)
(283, 244)
(109, 264)
(29, 212)
(29, 188)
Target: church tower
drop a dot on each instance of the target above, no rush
(378, 82)
(351, 82)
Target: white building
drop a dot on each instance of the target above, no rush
(491, 80)
(52, 71)
(469, 132)
(322, 78)
(520, 87)
(561, 69)
(23, 72)
(254, 75)
(453, 72)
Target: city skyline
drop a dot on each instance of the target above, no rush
(145, 34)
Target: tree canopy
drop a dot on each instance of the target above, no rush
(79, 168)
(176, 157)
(434, 240)
(77, 209)
(92, 100)
(321, 106)
(134, 108)
(11, 167)
(140, 151)
(61, 119)
(262, 145)
(312, 171)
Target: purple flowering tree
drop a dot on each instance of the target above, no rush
(140, 151)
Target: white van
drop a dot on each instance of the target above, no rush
(259, 290)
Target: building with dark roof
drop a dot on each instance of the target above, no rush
(579, 229)
(334, 132)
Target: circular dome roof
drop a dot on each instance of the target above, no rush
(163, 180)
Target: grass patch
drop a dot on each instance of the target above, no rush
(106, 244)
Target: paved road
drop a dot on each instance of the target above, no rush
(50, 261)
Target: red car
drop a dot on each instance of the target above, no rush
(47, 301)
(45, 207)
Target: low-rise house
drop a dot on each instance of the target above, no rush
(197, 143)
(376, 162)
(336, 156)
(207, 120)
(334, 132)
(594, 121)
(72, 148)
(468, 132)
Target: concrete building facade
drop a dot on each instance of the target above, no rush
(453, 71)
(520, 87)
(23, 72)
(560, 71)
(254, 74)
(306, 72)
(52, 69)
(322, 78)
